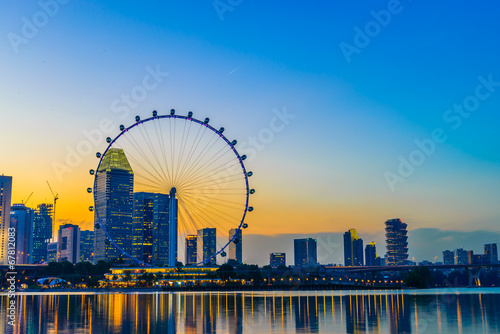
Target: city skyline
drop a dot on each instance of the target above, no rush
(339, 124)
(24, 219)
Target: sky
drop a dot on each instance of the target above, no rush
(389, 109)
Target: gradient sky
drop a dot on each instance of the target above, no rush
(352, 120)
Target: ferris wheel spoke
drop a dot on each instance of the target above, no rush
(188, 214)
(201, 133)
(133, 142)
(191, 148)
(151, 186)
(202, 213)
(183, 144)
(220, 182)
(195, 168)
(199, 155)
(238, 205)
(159, 135)
(210, 208)
(154, 154)
(153, 179)
(203, 153)
(219, 169)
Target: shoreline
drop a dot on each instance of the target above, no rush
(206, 290)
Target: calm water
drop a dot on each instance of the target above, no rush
(430, 311)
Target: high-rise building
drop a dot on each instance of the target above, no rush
(470, 257)
(114, 200)
(461, 256)
(21, 219)
(191, 247)
(305, 252)
(353, 249)
(68, 243)
(491, 253)
(51, 251)
(206, 246)
(86, 246)
(235, 249)
(371, 254)
(277, 259)
(396, 242)
(448, 257)
(5, 202)
(42, 232)
(152, 228)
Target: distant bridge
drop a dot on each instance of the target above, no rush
(472, 269)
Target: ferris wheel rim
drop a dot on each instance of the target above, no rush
(205, 123)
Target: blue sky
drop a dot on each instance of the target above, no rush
(352, 119)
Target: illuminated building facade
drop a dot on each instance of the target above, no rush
(22, 219)
(277, 259)
(353, 249)
(5, 201)
(151, 228)
(86, 246)
(491, 253)
(396, 237)
(42, 232)
(113, 207)
(191, 248)
(371, 254)
(51, 252)
(68, 243)
(206, 246)
(305, 252)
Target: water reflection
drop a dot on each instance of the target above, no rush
(432, 311)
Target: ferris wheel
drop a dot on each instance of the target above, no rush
(166, 179)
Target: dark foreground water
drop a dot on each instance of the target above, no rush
(429, 311)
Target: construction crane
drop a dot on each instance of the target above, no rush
(54, 211)
(27, 199)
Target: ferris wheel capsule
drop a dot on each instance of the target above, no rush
(221, 130)
(122, 127)
(91, 208)
(190, 114)
(155, 113)
(249, 174)
(92, 172)
(98, 155)
(172, 112)
(245, 225)
(250, 208)
(108, 140)
(243, 157)
(252, 191)
(89, 190)
(97, 226)
(223, 254)
(234, 142)
(206, 120)
(137, 118)
(236, 241)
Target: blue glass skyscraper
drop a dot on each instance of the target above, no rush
(113, 207)
(22, 219)
(153, 228)
(42, 232)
